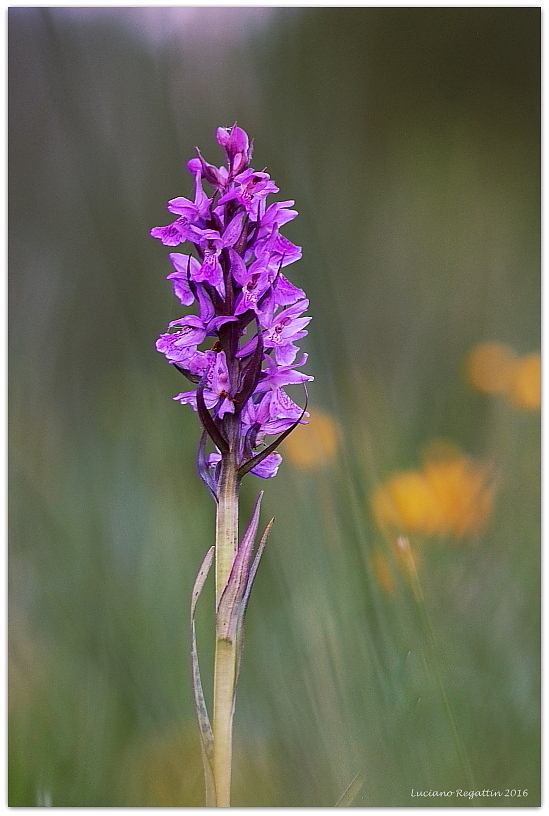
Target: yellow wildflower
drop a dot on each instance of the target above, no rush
(407, 501)
(450, 495)
(311, 445)
(494, 368)
(525, 387)
(489, 367)
(463, 495)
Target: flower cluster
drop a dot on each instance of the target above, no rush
(450, 495)
(496, 369)
(244, 301)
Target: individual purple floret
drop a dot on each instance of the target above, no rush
(240, 349)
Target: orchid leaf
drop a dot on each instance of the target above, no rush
(206, 733)
(208, 421)
(228, 609)
(255, 565)
(246, 596)
(203, 470)
(251, 373)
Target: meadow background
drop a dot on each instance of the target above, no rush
(393, 630)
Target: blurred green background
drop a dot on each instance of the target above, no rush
(410, 140)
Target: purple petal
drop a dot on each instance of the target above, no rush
(282, 407)
(238, 268)
(182, 264)
(285, 355)
(285, 292)
(226, 407)
(205, 305)
(252, 292)
(182, 206)
(170, 235)
(186, 397)
(278, 214)
(232, 232)
(210, 270)
(213, 459)
(214, 324)
(268, 467)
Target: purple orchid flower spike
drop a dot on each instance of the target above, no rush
(240, 352)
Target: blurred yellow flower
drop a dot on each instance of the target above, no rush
(407, 501)
(463, 493)
(450, 495)
(314, 444)
(494, 368)
(489, 367)
(525, 387)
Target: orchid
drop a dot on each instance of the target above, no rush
(234, 274)
(240, 353)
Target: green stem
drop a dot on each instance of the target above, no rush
(225, 651)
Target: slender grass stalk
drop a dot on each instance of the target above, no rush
(351, 792)
(431, 657)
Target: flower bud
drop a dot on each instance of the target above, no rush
(209, 173)
(234, 140)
